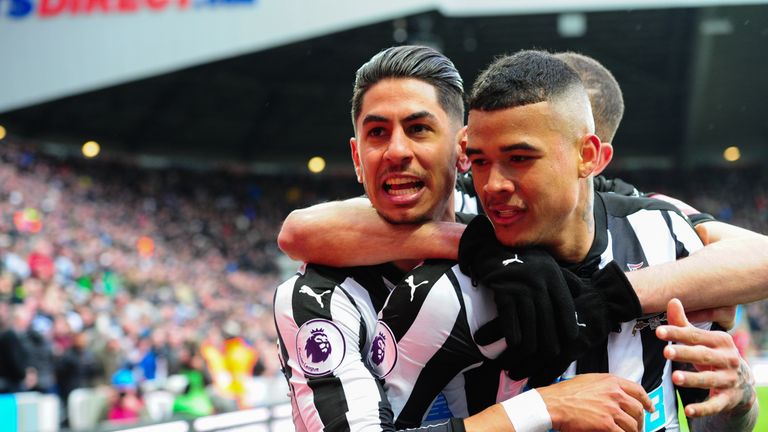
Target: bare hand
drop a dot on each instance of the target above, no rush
(592, 402)
(716, 364)
(725, 316)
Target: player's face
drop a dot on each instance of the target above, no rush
(406, 151)
(526, 170)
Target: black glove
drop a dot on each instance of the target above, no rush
(548, 315)
(536, 310)
(602, 302)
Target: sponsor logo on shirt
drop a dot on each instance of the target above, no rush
(320, 346)
(513, 260)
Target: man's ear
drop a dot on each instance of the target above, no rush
(589, 155)
(356, 159)
(462, 161)
(606, 155)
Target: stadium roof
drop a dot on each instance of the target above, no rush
(693, 80)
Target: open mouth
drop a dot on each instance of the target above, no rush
(402, 186)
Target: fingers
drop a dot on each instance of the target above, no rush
(628, 423)
(638, 393)
(546, 327)
(526, 315)
(676, 313)
(720, 380)
(489, 333)
(632, 415)
(694, 336)
(714, 405)
(703, 357)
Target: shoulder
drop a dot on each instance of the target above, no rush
(623, 206)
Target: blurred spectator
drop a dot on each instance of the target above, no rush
(77, 367)
(13, 361)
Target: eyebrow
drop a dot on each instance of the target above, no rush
(420, 115)
(506, 149)
(375, 118)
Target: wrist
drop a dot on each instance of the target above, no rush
(528, 413)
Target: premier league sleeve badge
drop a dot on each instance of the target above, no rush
(383, 355)
(320, 347)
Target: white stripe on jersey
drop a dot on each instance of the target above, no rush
(657, 248)
(480, 310)
(422, 341)
(364, 306)
(360, 387)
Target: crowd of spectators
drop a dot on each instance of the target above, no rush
(736, 195)
(114, 275)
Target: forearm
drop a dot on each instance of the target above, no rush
(727, 272)
(492, 418)
(350, 233)
(742, 417)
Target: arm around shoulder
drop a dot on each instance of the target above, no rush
(351, 233)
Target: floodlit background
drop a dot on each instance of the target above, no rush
(151, 148)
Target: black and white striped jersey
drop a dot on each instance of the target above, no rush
(637, 233)
(430, 361)
(432, 367)
(325, 318)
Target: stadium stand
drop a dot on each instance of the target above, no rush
(142, 295)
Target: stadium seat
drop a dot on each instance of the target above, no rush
(159, 404)
(84, 408)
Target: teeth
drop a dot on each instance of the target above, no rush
(397, 181)
(507, 213)
(403, 191)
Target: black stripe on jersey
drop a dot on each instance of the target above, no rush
(401, 312)
(454, 356)
(372, 278)
(653, 359)
(624, 235)
(385, 409)
(680, 250)
(477, 381)
(331, 403)
(305, 307)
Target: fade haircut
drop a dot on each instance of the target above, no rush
(417, 62)
(524, 78)
(603, 91)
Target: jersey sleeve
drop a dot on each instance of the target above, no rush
(322, 334)
(696, 217)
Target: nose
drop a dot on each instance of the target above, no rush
(498, 181)
(399, 149)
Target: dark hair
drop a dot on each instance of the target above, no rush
(412, 61)
(603, 91)
(524, 78)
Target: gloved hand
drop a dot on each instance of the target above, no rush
(536, 310)
(548, 315)
(602, 302)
